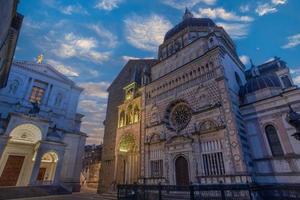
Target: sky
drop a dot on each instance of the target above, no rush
(91, 40)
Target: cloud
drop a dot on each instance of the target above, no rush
(245, 59)
(108, 4)
(66, 9)
(106, 37)
(245, 8)
(85, 48)
(277, 2)
(221, 13)
(295, 72)
(235, 25)
(235, 30)
(293, 41)
(296, 80)
(28, 23)
(182, 4)
(64, 69)
(267, 8)
(73, 9)
(146, 32)
(127, 58)
(93, 103)
(95, 89)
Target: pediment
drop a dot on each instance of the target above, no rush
(45, 69)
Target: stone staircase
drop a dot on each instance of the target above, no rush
(109, 196)
(31, 191)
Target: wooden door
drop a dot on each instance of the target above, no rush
(41, 174)
(182, 171)
(12, 169)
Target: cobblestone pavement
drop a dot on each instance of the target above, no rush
(74, 196)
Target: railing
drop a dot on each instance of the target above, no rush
(209, 192)
(225, 179)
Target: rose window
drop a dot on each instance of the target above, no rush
(178, 116)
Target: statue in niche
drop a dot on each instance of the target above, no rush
(35, 108)
(58, 99)
(13, 87)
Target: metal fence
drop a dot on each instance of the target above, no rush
(209, 192)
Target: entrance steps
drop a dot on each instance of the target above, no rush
(108, 196)
(31, 191)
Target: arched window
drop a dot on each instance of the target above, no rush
(13, 87)
(129, 115)
(136, 114)
(273, 140)
(122, 119)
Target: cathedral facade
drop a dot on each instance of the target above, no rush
(195, 115)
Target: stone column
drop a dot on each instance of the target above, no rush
(58, 169)
(36, 166)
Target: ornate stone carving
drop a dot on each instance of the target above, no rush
(178, 116)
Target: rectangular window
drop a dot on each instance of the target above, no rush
(37, 94)
(213, 164)
(156, 168)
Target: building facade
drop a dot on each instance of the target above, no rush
(10, 25)
(200, 117)
(91, 167)
(40, 138)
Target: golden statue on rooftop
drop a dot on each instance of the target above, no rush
(40, 59)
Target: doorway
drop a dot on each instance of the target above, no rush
(182, 171)
(11, 171)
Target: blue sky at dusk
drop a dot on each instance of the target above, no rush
(91, 40)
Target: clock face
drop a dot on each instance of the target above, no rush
(179, 117)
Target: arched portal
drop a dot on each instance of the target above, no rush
(26, 133)
(127, 160)
(47, 168)
(182, 171)
(18, 158)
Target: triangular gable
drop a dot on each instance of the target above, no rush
(46, 69)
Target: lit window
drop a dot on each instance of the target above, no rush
(136, 114)
(273, 140)
(37, 94)
(122, 119)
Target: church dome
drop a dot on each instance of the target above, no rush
(260, 82)
(189, 21)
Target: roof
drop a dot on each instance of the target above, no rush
(260, 82)
(268, 67)
(189, 22)
(136, 68)
(46, 70)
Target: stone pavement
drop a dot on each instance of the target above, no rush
(74, 196)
